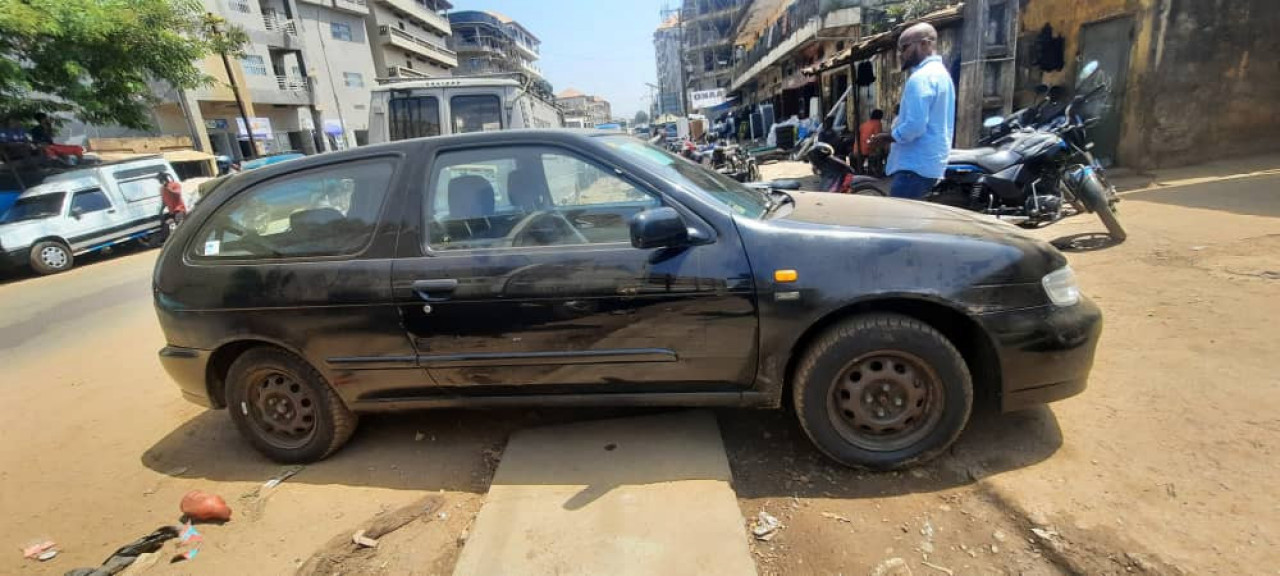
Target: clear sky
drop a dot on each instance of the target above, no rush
(600, 47)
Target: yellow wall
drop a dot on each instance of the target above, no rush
(1066, 17)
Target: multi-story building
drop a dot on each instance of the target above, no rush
(302, 77)
(707, 43)
(583, 110)
(666, 47)
(410, 37)
(490, 43)
(777, 39)
(340, 64)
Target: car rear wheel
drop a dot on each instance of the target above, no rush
(285, 408)
(882, 392)
(51, 257)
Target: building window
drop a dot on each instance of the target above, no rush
(340, 31)
(253, 65)
(353, 79)
(239, 6)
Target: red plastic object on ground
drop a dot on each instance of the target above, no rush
(201, 506)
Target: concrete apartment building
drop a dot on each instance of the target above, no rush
(583, 110)
(410, 38)
(666, 47)
(490, 43)
(707, 42)
(304, 77)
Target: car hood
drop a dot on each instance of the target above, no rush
(23, 227)
(871, 212)
(888, 244)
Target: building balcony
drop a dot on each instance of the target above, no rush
(402, 72)
(531, 68)
(353, 6)
(398, 38)
(805, 23)
(289, 90)
(480, 45)
(421, 13)
(274, 23)
(526, 51)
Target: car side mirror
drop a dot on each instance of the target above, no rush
(787, 184)
(77, 212)
(658, 228)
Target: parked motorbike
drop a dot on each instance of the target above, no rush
(1034, 177)
(735, 162)
(836, 175)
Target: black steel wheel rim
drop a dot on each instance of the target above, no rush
(281, 409)
(885, 401)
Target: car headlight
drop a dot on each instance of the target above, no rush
(1061, 286)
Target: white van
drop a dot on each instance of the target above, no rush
(416, 108)
(83, 211)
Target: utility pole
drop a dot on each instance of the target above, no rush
(213, 22)
(972, 60)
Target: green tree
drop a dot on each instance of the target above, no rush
(642, 117)
(98, 59)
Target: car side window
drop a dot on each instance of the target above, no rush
(86, 201)
(528, 196)
(330, 211)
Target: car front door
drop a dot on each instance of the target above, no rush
(90, 218)
(519, 277)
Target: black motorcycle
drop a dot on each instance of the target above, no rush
(1034, 177)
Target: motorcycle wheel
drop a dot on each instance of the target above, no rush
(1106, 213)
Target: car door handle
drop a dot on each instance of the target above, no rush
(435, 290)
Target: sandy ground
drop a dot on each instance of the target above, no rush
(1165, 465)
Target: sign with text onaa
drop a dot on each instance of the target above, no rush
(705, 98)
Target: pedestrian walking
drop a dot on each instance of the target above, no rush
(171, 196)
(921, 134)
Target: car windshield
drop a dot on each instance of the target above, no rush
(34, 207)
(740, 199)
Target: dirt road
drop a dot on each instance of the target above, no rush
(1165, 464)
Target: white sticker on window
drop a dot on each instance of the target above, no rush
(211, 247)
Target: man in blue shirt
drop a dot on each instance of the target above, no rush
(922, 133)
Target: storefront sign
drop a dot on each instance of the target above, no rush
(261, 127)
(705, 98)
(219, 124)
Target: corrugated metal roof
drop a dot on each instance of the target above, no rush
(876, 43)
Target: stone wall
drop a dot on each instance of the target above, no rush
(1203, 79)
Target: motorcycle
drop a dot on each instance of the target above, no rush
(1036, 176)
(836, 175)
(735, 162)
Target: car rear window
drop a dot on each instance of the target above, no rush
(329, 211)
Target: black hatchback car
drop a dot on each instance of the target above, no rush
(565, 268)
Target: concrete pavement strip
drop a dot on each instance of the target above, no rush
(644, 495)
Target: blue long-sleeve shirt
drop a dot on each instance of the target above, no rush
(926, 121)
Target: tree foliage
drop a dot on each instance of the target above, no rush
(99, 59)
(642, 117)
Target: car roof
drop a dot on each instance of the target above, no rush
(499, 137)
(60, 186)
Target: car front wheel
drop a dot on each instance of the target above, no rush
(51, 257)
(882, 392)
(285, 408)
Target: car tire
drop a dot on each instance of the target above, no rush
(285, 408)
(882, 392)
(51, 257)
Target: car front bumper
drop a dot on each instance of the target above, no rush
(189, 369)
(1045, 352)
(15, 259)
